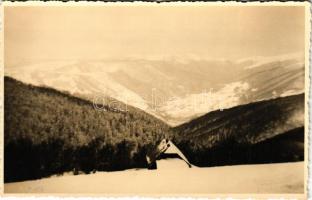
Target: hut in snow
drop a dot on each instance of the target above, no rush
(166, 155)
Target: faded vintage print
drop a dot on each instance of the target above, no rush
(156, 99)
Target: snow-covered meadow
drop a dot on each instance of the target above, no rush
(260, 179)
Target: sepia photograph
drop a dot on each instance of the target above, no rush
(169, 99)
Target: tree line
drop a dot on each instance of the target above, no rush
(50, 132)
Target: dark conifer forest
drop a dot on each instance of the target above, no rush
(48, 132)
(268, 131)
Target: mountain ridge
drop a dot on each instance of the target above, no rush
(174, 89)
(238, 135)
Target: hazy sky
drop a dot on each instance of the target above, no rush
(35, 33)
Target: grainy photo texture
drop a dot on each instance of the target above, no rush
(155, 99)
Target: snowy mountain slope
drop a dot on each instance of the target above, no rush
(175, 89)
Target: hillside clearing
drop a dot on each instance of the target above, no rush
(264, 178)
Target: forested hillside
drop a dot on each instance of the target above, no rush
(260, 132)
(49, 132)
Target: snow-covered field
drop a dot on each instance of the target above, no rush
(264, 178)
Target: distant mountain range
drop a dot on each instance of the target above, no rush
(174, 89)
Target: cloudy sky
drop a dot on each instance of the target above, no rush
(82, 33)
